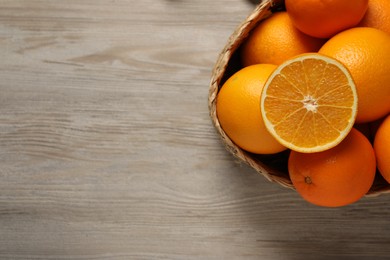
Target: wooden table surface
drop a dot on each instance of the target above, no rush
(107, 150)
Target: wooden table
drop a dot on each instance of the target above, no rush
(107, 150)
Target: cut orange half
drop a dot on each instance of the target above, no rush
(309, 103)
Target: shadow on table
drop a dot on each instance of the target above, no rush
(255, 2)
(279, 222)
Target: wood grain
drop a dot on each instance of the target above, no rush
(107, 150)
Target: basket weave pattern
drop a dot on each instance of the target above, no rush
(272, 167)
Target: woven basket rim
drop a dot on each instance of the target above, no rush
(261, 12)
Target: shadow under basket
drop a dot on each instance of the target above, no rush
(272, 167)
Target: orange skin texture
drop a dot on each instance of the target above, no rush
(382, 148)
(365, 52)
(238, 110)
(336, 177)
(325, 18)
(275, 40)
(377, 15)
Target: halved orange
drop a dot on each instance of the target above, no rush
(309, 103)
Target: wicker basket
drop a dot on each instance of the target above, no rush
(272, 167)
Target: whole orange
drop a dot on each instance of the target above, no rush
(238, 110)
(366, 54)
(325, 18)
(377, 15)
(275, 40)
(336, 177)
(382, 148)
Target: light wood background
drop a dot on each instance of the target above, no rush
(107, 150)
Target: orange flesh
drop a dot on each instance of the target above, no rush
(310, 104)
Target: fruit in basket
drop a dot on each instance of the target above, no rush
(238, 110)
(336, 177)
(377, 15)
(382, 148)
(309, 103)
(325, 18)
(366, 54)
(330, 163)
(275, 40)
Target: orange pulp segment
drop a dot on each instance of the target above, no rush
(309, 103)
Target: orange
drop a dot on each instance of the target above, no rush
(382, 148)
(366, 54)
(238, 110)
(275, 40)
(325, 18)
(336, 177)
(309, 103)
(377, 15)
